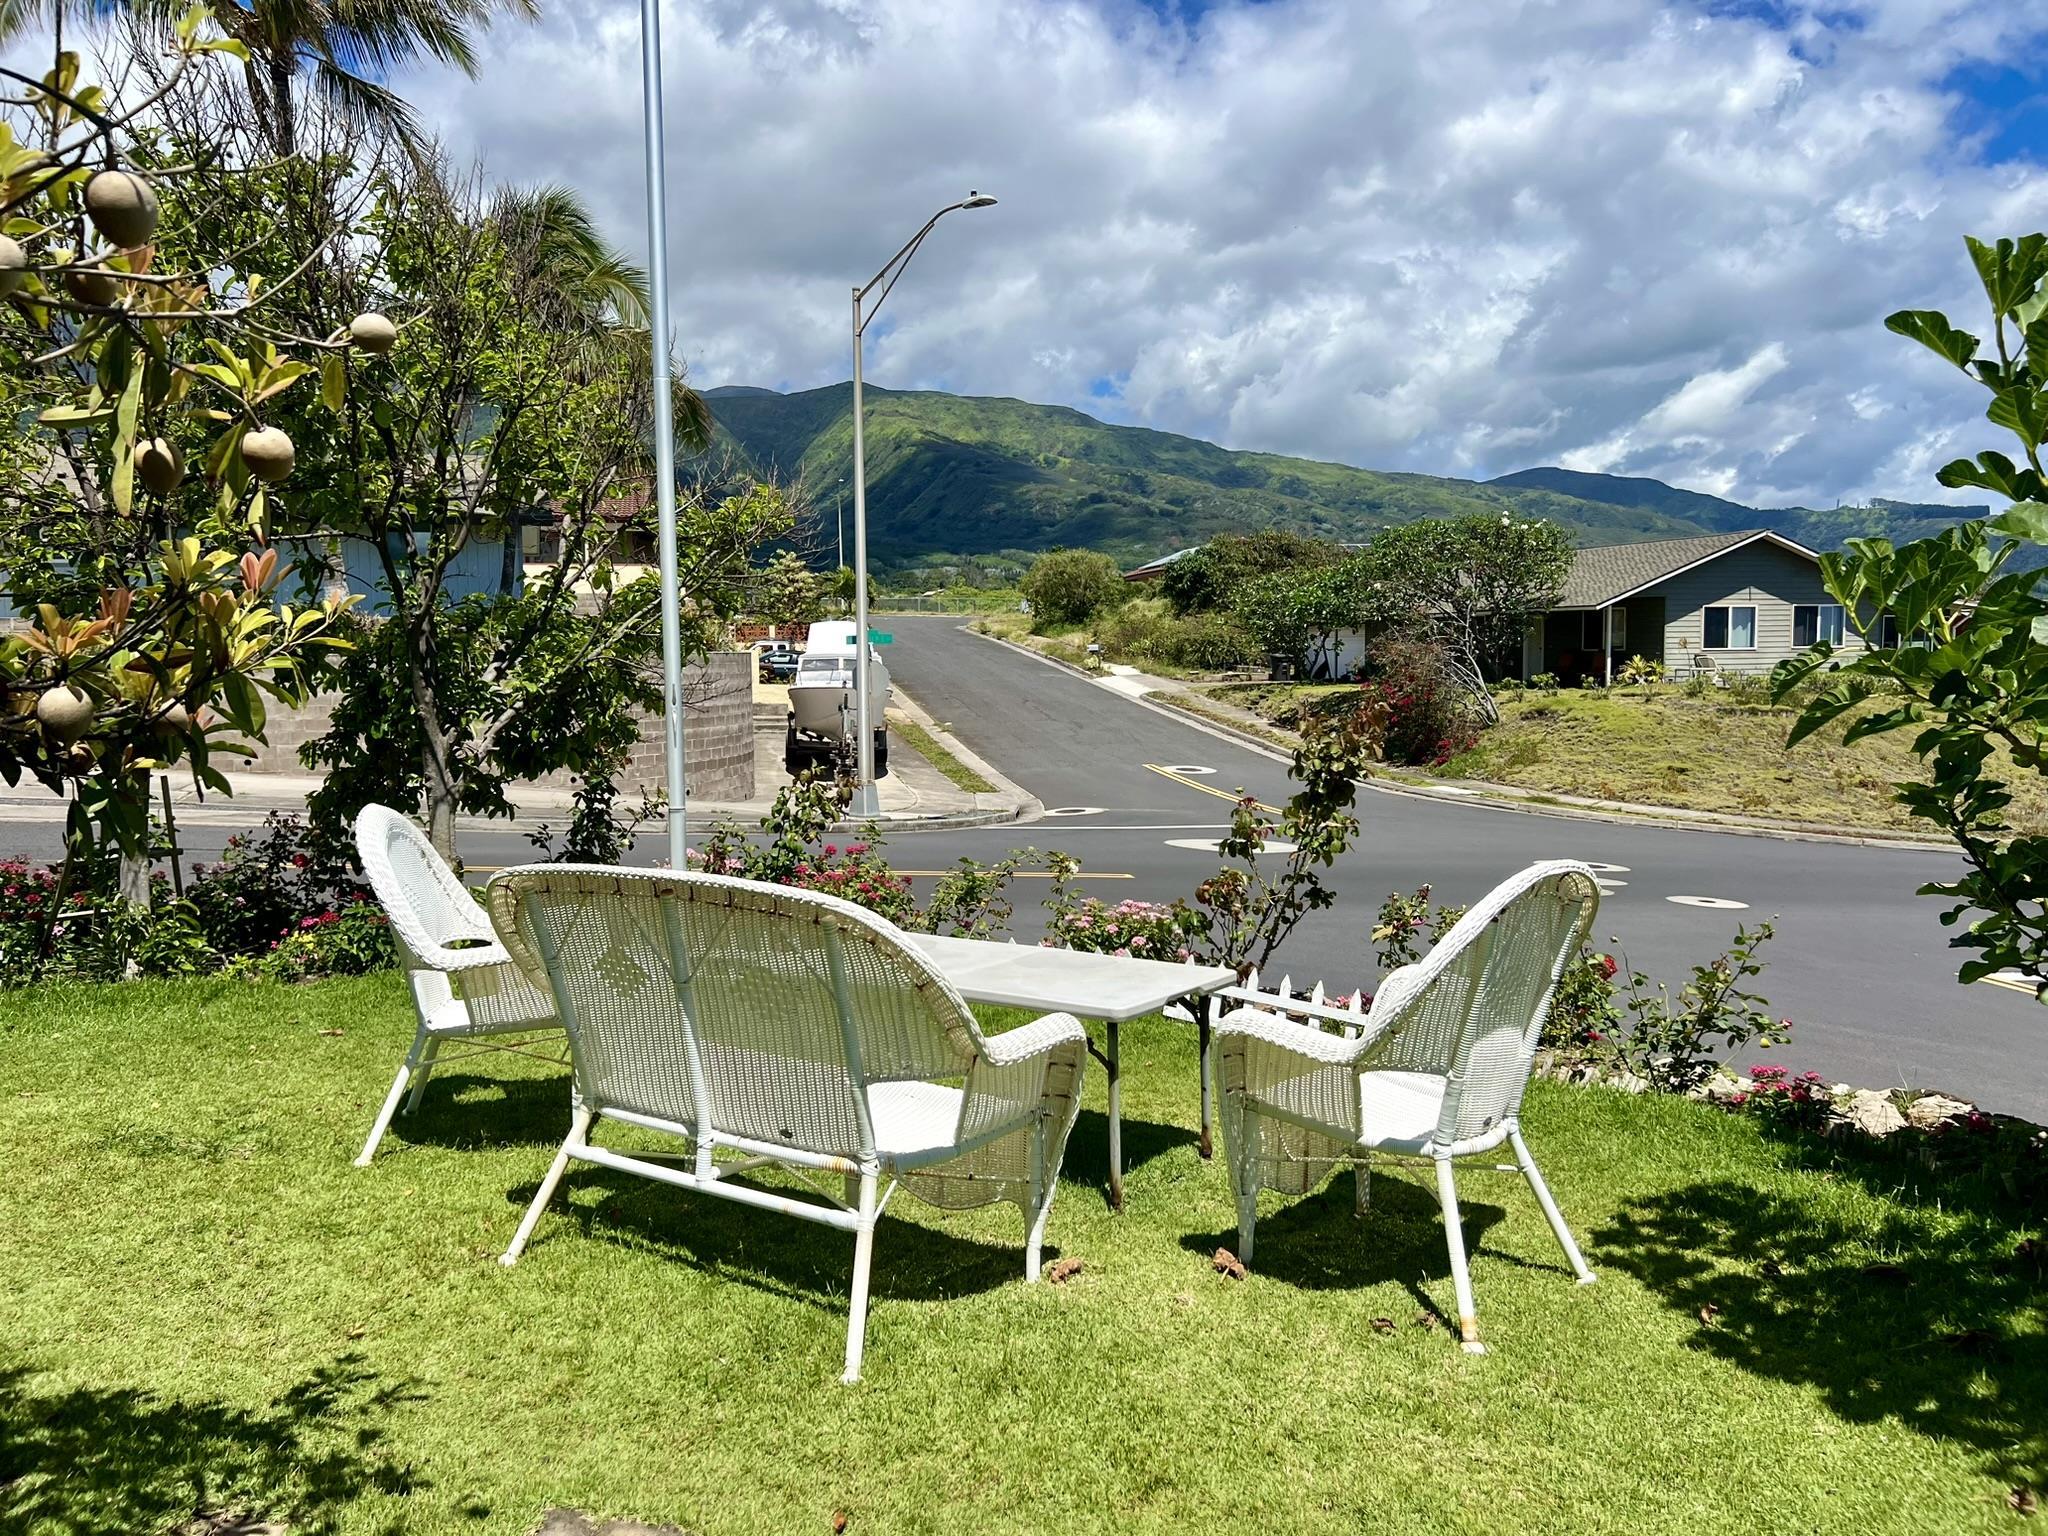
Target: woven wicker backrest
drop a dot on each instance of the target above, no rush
(728, 1005)
(1473, 1009)
(428, 906)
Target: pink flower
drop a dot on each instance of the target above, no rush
(831, 850)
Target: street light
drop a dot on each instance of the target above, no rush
(664, 439)
(865, 800)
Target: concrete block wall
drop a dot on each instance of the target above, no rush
(718, 736)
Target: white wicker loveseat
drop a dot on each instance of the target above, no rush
(790, 1028)
(465, 988)
(1437, 1072)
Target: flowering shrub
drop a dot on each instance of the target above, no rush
(349, 941)
(1396, 932)
(1428, 715)
(1670, 1041)
(1583, 1012)
(1798, 1103)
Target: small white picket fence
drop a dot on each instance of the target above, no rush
(1347, 1014)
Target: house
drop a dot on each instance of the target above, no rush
(1728, 602)
(1152, 570)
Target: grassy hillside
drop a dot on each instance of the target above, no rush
(974, 476)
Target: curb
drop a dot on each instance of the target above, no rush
(1502, 797)
(1013, 801)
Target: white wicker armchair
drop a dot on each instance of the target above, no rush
(1438, 1072)
(464, 986)
(787, 1028)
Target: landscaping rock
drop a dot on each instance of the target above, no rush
(1930, 1110)
(1628, 1082)
(570, 1522)
(1867, 1110)
(1721, 1088)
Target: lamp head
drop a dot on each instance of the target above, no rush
(978, 200)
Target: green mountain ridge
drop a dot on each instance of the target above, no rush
(975, 475)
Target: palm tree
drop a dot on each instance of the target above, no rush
(346, 47)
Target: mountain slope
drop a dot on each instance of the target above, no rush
(967, 476)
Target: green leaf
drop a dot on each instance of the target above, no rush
(333, 382)
(2023, 411)
(127, 415)
(1931, 329)
(2023, 520)
(67, 417)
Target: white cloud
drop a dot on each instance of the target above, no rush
(1459, 237)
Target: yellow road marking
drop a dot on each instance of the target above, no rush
(1221, 794)
(2009, 984)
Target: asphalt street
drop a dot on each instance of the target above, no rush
(1860, 963)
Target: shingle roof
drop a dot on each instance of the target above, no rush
(1601, 574)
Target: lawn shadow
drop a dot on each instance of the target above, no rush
(465, 1111)
(1927, 1318)
(1320, 1243)
(98, 1460)
(1086, 1164)
(781, 1255)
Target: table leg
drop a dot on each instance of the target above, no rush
(1202, 1035)
(1112, 1063)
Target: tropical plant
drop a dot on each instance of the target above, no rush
(1640, 672)
(1209, 579)
(144, 371)
(1470, 584)
(789, 591)
(1071, 586)
(1975, 679)
(1297, 616)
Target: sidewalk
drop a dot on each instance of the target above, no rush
(913, 795)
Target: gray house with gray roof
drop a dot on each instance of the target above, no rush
(1728, 602)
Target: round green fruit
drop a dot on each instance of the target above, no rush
(122, 207)
(268, 453)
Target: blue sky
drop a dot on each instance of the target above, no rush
(1641, 236)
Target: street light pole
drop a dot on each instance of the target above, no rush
(865, 800)
(664, 438)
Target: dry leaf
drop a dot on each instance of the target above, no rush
(1427, 1320)
(838, 1522)
(358, 1331)
(1708, 1314)
(1059, 1271)
(1383, 1325)
(332, 1034)
(1893, 1273)
(2022, 1500)
(1228, 1263)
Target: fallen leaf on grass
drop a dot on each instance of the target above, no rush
(1427, 1320)
(1709, 1314)
(1059, 1271)
(1383, 1325)
(838, 1522)
(1228, 1263)
(1894, 1274)
(332, 1034)
(2022, 1500)
(358, 1331)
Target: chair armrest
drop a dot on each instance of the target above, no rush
(1034, 1039)
(1315, 1046)
(445, 957)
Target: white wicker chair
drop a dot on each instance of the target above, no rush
(788, 1028)
(1438, 1072)
(472, 994)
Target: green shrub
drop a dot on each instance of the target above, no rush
(1544, 682)
(1428, 715)
(1141, 630)
(1071, 586)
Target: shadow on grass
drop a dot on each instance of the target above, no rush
(780, 1255)
(1927, 1317)
(92, 1460)
(465, 1111)
(1087, 1161)
(1319, 1243)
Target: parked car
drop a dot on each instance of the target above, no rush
(777, 661)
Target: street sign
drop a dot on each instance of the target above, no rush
(876, 637)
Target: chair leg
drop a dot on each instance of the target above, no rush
(1040, 1207)
(425, 1071)
(1361, 1185)
(383, 1122)
(863, 1261)
(1550, 1211)
(1454, 1240)
(1244, 1179)
(579, 1128)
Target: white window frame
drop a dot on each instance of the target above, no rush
(1731, 609)
(1834, 632)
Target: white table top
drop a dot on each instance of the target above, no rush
(1107, 987)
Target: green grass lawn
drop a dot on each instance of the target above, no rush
(207, 1307)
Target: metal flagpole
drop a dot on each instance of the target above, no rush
(664, 437)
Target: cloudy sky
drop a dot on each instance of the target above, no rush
(1458, 236)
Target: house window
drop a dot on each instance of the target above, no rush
(1593, 630)
(1816, 623)
(1888, 636)
(1730, 627)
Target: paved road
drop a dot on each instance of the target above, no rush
(1860, 962)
